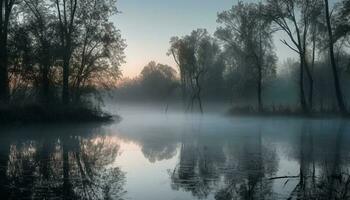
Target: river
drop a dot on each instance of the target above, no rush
(157, 153)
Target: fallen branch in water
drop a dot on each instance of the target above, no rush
(282, 177)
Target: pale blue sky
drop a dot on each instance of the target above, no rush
(147, 26)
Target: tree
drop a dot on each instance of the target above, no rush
(213, 82)
(100, 48)
(337, 86)
(158, 80)
(247, 36)
(21, 69)
(66, 16)
(341, 21)
(42, 27)
(97, 63)
(194, 54)
(6, 8)
(294, 18)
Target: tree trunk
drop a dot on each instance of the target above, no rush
(65, 89)
(301, 86)
(260, 65)
(5, 11)
(4, 82)
(45, 70)
(45, 82)
(311, 83)
(338, 90)
(66, 30)
(312, 68)
(260, 104)
(198, 93)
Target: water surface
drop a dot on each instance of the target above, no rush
(156, 155)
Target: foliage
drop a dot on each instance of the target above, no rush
(248, 46)
(156, 82)
(48, 47)
(195, 55)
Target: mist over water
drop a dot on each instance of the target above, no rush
(222, 114)
(157, 154)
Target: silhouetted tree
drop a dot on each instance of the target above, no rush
(66, 14)
(247, 35)
(6, 13)
(67, 46)
(337, 86)
(194, 54)
(42, 27)
(100, 48)
(158, 80)
(294, 18)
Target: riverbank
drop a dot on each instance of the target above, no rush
(52, 114)
(285, 112)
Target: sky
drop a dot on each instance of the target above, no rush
(148, 25)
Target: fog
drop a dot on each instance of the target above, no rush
(150, 153)
(229, 120)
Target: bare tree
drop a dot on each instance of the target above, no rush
(337, 86)
(100, 48)
(42, 27)
(6, 7)
(294, 19)
(66, 14)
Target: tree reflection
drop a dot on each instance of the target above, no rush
(246, 165)
(75, 166)
(199, 166)
(323, 167)
(158, 151)
(231, 169)
(251, 163)
(334, 179)
(4, 159)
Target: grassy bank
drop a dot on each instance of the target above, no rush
(51, 114)
(284, 112)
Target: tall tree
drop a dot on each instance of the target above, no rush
(42, 27)
(337, 86)
(66, 14)
(294, 19)
(100, 48)
(248, 36)
(6, 8)
(194, 54)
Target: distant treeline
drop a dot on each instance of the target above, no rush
(239, 62)
(159, 82)
(57, 51)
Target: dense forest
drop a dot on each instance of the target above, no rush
(60, 54)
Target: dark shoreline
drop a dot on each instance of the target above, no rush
(52, 114)
(287, 113)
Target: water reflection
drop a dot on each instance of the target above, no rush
(208, 158)
(64, 163)
(231, 168)
(252, 158)
(324, 164)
